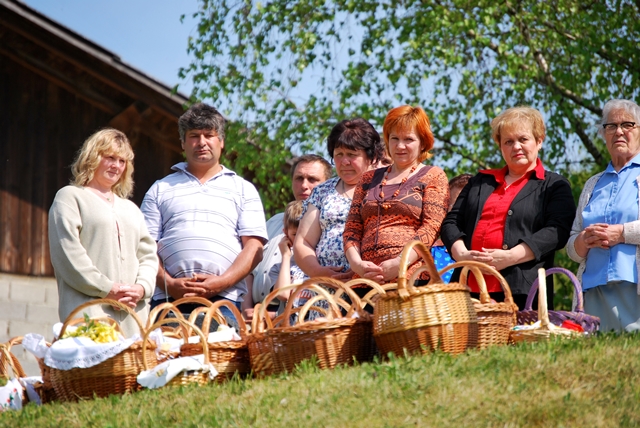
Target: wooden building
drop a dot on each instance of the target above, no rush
(57, 88)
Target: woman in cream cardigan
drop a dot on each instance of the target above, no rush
(99, 244)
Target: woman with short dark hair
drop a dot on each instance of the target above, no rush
(355, 147)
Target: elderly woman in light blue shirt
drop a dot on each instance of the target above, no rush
(605, 236)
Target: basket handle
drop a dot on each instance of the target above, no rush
(11, 360)
(577, 288)
(376, 289)
(214, 312)
(312, 284)
(347, 288)
(257, 324)
(482, 284)
(486, 269)
(160, 312)
(543, 310)
(109, 302)
(260, 309)
(406, 289)
(186, 325)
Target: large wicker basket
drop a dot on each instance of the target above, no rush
(589, 323)
(198, 377)
(420, 320)
(229, 357)
(117, 375)
(495, 319)
(546, 329)
(276, 346)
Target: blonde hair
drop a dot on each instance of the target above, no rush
(90, 154)
(516, 116)
(292, 214)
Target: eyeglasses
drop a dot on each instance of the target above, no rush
(611, 128)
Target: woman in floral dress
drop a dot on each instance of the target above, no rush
(355, 147)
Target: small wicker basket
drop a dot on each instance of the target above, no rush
(229, 357)
(9, 364)
(117, 375)
(276, 346)
(589, 323)
(199, 377)
(10, 367)
(546, 329)
(420, 320)
(495, 319)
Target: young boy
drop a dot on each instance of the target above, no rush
(288, 272)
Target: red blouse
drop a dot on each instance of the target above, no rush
(489, 232)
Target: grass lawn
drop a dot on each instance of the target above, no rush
(583, 383)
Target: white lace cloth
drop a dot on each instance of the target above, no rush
(163, 373)
(75, 352)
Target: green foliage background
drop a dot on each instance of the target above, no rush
(289, 70)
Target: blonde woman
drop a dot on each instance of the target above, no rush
(99, 244)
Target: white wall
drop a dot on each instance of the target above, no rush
(27, 305)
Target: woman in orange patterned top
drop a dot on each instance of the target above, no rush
(397, 204)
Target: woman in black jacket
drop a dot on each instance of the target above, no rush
(516, 217)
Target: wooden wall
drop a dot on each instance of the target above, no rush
(42, 125)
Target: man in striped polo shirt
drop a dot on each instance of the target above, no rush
(208, 221)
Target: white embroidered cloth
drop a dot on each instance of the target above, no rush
(161, 374)
(11, 395)
(75, 352)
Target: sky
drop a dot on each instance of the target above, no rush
(146, 34)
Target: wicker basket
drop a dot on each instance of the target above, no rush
(546, 329)
(228, 357)
(589, 323)
(117, 375)
(276, 346)
(199, 377)
(162, 311)
(9, 364)
(10, 367)
(420, 320)
(495, 319)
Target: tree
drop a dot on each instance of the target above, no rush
(462, 61)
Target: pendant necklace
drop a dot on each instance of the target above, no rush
(386, 205)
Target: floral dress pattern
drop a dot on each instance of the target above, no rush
(333, 208)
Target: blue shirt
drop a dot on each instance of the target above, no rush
(614, 201)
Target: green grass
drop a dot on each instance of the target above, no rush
(587, 383)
